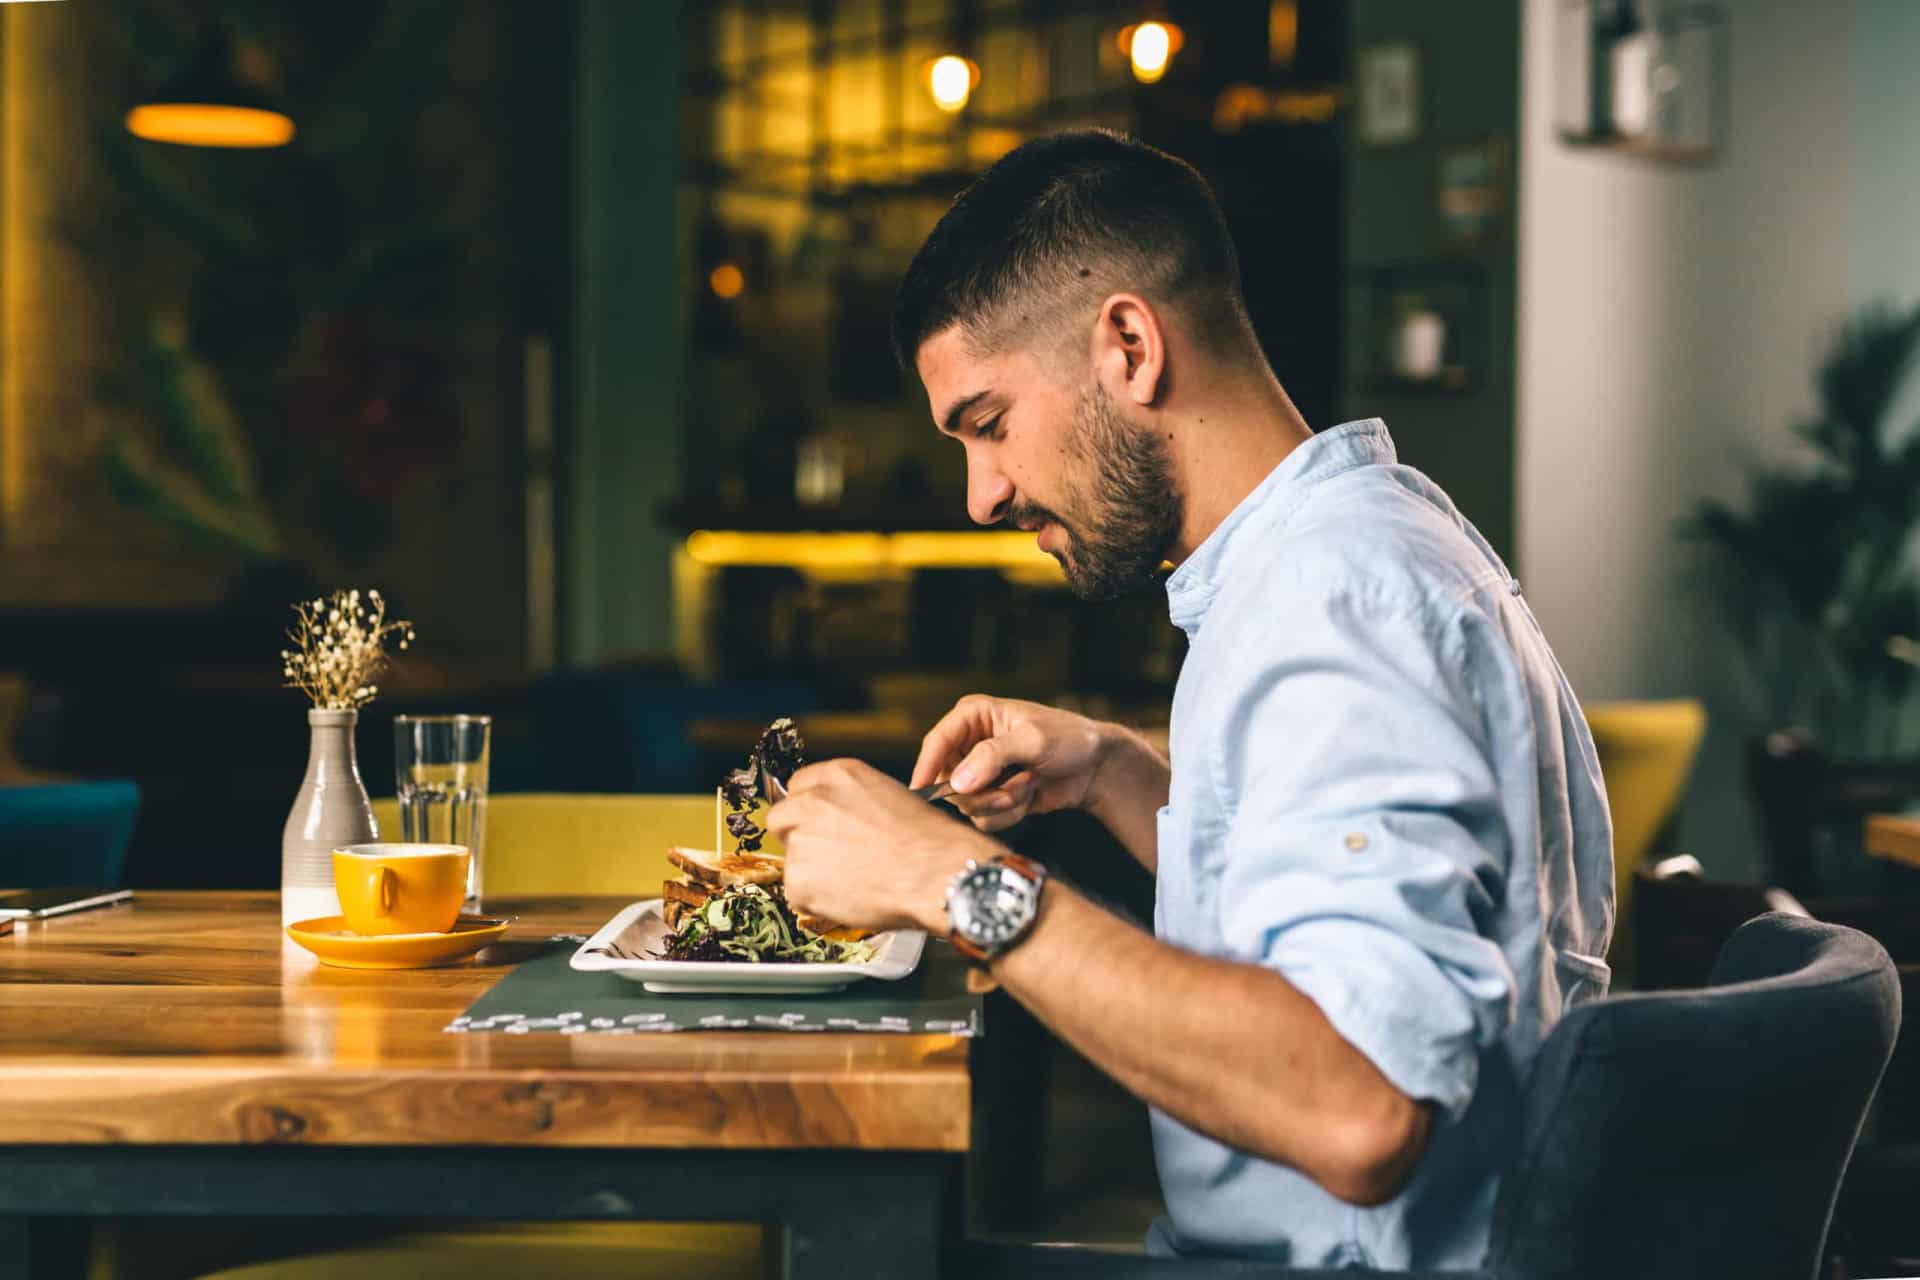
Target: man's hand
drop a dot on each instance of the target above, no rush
(1058, 754)
(1065, 761)
(863, 851)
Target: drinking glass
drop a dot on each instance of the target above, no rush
(440, 776)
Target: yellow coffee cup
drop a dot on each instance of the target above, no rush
(401, 888)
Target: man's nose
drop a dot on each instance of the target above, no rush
(989, 494)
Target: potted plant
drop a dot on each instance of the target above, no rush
(1822, 590)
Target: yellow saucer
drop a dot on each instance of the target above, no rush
(329, 938)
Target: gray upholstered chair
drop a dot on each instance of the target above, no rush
(1675, 1134)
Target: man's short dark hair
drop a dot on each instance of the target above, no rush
(1056, 226)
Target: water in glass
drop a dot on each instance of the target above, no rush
(440, 777)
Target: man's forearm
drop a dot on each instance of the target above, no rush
(1231, 1050)
(1128, 790)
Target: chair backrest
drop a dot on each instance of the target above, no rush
(1682, 920)
(68, 833)
(1703, 1132)
(581, 844)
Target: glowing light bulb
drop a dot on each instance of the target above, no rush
(726, 281)
(951, 80)
(1150, 50)
(209, 124)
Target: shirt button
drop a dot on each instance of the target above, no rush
(1513, 585)
(1357, 842)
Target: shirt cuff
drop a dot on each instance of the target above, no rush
(1389, 1000)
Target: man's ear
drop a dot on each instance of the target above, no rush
(1130, 350)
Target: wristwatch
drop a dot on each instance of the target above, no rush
(992, 905)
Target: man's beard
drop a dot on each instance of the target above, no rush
(1123, 523)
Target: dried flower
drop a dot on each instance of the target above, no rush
(339, 647)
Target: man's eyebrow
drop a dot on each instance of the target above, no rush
(951, 425)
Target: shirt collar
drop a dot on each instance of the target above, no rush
(1191, 588)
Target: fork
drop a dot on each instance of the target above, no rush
(933, 791)
(941, 790)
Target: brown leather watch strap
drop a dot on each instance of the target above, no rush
(1025, 866)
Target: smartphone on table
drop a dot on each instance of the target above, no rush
(38, 904)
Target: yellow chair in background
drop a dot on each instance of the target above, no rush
(311, 1249)
(548, 845)
(543, 845)
(1646, 753)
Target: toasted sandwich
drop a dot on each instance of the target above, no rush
(718, 870)
(705, 873)
(680, 897)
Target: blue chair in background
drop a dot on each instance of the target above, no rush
(69, 833)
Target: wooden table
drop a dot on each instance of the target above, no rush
(173, 1057)
(1895, 836)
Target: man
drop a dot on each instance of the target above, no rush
(1382, 848)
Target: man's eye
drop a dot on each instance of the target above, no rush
(990, 428)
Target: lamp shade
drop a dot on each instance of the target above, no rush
(207, 105)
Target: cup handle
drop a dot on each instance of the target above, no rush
(383, 886)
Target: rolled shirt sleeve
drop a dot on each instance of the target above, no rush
(1366, 853)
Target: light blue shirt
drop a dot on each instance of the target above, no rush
(1384, 790)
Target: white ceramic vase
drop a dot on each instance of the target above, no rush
(331, 810)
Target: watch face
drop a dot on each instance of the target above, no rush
(992, 906)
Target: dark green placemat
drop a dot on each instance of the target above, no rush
(545, 995)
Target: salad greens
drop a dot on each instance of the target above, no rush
(776, 755)
(754, 923)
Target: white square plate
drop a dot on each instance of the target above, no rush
(640, 930)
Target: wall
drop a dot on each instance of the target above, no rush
(1468, 87)
(64, 539)
(1884, 251)
(1669, 321)
(80, 256)
(625, 457)
(1885, 103)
